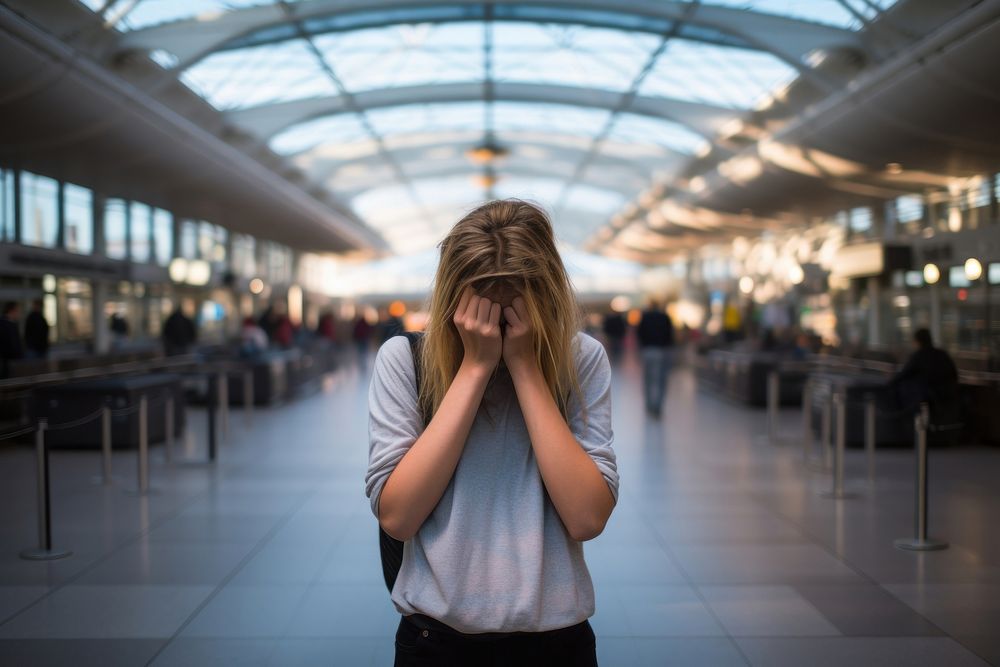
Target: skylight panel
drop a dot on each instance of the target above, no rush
(406, 55)
(719, 75)
(830, 12)
(332, 130)
(556, 118)
(146, 13)
(260, 75)
(633, 128)
(569, 55)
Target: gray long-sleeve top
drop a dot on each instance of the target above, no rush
(493, 556)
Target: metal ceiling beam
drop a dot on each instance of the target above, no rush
(790, 39)
(433, 169)
(266, 120)
(554, 146)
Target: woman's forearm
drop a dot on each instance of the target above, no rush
(574, 483)
(416, 485)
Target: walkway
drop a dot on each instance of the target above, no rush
(720, 552)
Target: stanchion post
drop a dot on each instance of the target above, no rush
(143, 445)
(248, 396)
(223, 381)
(212, 400)
(106, 444)
(44, 550)
(840, 416)
(807, 435)
(870, 435)
(773, 389)
(921, 542)
(826, 428)
(168, 442)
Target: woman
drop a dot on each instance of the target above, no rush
(514, 469)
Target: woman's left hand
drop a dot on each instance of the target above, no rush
(518, 339)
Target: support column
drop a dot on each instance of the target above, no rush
(102, 335)
(874, 313)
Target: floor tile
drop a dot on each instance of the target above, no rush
(765, 611)
(185, 651)
(867, 651)
(311, 652)
(160, 563)
(15, 598)
(652, 611)
(345, 611)
(78, 652)
(247, 612)
(762, 564)
(106, 612)
(866, 610)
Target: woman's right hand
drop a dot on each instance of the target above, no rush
(478, 322)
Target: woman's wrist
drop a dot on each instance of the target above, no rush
(476, 370)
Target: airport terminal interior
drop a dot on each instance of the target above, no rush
(213, 214)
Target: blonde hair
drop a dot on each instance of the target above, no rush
(510, 243)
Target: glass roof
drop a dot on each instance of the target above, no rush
(386, 105)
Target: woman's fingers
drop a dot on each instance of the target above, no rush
(483, 316)
(463, 302)
(521, 308)
(495, 315)
(472, 310)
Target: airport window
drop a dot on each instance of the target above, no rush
(139, 219)
(6, 205)
(189, 240)
(993, 273)
(861, 219)
(163, 236)
(115, 229)
(78, 218)
(206, 240)
(39, 210)
(909, 208)
(244, 261)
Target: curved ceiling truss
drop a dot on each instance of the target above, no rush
(646, 104)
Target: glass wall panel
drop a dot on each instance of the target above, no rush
(115, 229)
(74, 301)
(163, 236)
(78, 212)
(6, 205)
(244, 261)
(39, 210)
(141, 231)
(189, 240)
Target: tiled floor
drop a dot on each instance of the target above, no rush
(721, 551)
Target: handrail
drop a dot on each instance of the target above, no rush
(826, 362)
(166, 363)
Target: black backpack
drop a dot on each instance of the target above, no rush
(391, 549)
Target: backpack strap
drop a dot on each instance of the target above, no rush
(415, 338)
(391, 549)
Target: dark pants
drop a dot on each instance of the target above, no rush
(426, 643)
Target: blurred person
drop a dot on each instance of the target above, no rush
(614, 331)
(326, 328)
(253, 340)
(392, 325)
(283, 331)
(119, 330)
(36, 332)
(732, 323)
(179, 333)
(361, 335)
(10, 336)
(497, 463)
(929, 376)
(656, 338)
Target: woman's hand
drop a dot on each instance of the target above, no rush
(518, 339)
(478, 322)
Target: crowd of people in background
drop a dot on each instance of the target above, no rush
(929, 375)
